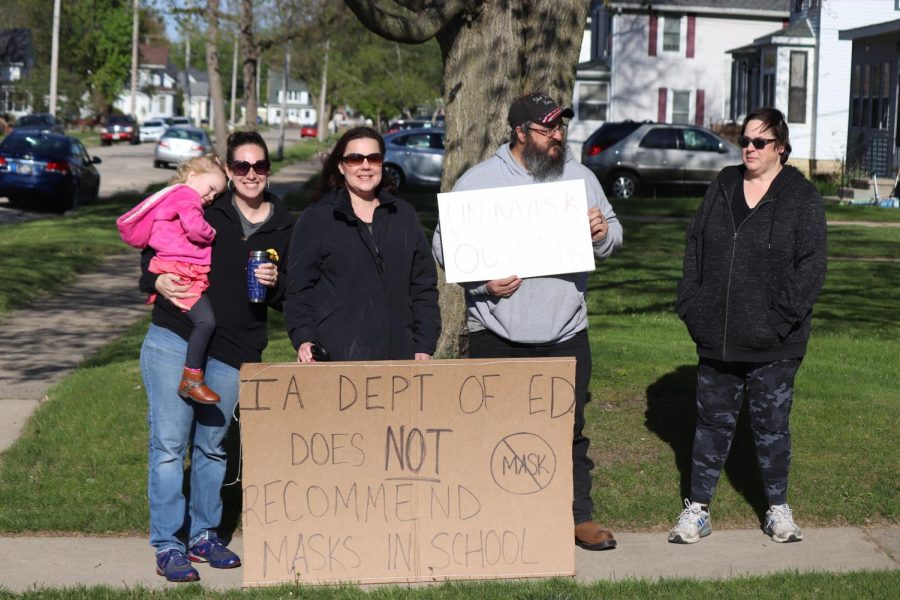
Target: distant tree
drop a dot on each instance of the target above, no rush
(493, 51)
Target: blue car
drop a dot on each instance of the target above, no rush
(47, 170)
(414, 157)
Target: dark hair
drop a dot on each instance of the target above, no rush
(513, 137)
(773, 120)
(332, 179)
(244, 138)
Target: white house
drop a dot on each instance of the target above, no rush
(299, 109)
(805, 70)
(155, 86)
(665, 60)
(196, 99)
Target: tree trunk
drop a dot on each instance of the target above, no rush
(508, 51)
(215, 79)
(251, 63)
(322, 132)
(494, 51)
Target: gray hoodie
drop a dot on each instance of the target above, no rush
(544, 310)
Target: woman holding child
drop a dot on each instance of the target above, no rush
(245, 218)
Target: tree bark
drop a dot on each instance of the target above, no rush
(494, 51)
(322, 130)
(251, 64)
(215, 79)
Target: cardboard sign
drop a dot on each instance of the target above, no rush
(407, 471)
(525, 230)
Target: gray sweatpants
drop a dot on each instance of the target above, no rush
(720, 393)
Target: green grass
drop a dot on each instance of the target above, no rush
(40, 257)
(812, 586)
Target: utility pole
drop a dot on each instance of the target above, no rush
(234, 64)
(54, 57)
(284, 95)
(134, 59)
(187, 74)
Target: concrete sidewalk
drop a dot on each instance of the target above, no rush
(128, 562)
(42, 344)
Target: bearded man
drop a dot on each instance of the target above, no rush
(542, 316)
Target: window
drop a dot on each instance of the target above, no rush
(856, 116)
(681, 107)
(664, 138)
(697, 140)
(875, 89)
(797, 89)
(885, 95)
(671, 38)
(593, 101)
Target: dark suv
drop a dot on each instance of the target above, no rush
(120, 128)
(607, 135)
(40, 123)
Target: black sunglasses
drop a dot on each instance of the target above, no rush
(758, 143)
(355, 160)
(242, 167)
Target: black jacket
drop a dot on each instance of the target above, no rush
(362, 296)
(748, 288)
(240, 334)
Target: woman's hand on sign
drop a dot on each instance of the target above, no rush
(170, 287)
(304, 353)
(503, 288)
(422, 356)
(599, 226)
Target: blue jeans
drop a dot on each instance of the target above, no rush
(175, 422)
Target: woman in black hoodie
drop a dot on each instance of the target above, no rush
(754, 264)
(362, 283)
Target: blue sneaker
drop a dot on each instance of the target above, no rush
(211, 549)
(175, 566)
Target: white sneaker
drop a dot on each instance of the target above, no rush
(780, 525)
(693, 524)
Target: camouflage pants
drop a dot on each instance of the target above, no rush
(720, 393)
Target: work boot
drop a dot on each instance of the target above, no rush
(591, 536)
(193, 387)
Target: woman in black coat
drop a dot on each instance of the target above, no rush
(362, 283)
(754, 264)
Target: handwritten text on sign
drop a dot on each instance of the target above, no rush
(526, 230)
(407, 471)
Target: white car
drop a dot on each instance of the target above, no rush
(152, 130)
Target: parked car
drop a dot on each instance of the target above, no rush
(152, 130)
(40, 123)
(178, 144)
(180, 122)
(47, 170)
(414, 157)
(659, 154)
(120, 128)
(608, 134)
(403, 124)
(309, 131)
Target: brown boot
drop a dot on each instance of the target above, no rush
(193, 387)
(591, 536)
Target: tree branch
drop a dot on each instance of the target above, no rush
(422, 21)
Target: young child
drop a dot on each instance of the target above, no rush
(171, 222)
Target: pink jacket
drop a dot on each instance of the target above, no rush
(171, 222)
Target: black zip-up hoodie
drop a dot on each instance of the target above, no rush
(748, 288)
(240, 334)
(361, 295)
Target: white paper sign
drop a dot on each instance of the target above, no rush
(523, 230)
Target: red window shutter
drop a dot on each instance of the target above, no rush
(654, 25)
(785, 23)
(691, 34)
(699, 109)
(661, 105)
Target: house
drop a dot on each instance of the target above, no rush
(16, 61)
(299, 109)
(873, 131)
(805, 70)
(197, 102)
(665, 60)
(155, 86)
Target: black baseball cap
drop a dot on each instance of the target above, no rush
(536, 107)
